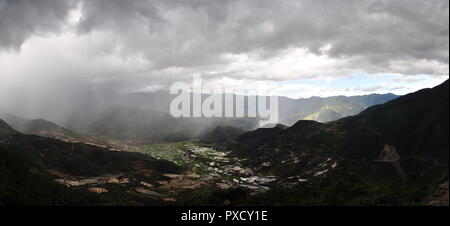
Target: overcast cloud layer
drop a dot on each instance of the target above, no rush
(144, 45)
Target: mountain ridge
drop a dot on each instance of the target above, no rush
(362, 136)
(6, 129)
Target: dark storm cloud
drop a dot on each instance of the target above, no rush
(184, 33)
(20, 19)
(371, 36)
(69, 51)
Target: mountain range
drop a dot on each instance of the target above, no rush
(145, 117)
(417, 124)
(394, 152)
(29, 165)
(390, 154)
(329, 108)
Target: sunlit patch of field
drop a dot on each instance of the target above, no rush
(182, 154)
(212, 166)
(168, 151)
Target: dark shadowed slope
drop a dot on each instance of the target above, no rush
(339, 162)
(136, 125)
(327, 109)
(417, 124)
(46, 128)
(221, 134)
(29, 166)
(5, 129)
(74, 158)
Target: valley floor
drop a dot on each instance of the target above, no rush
(212, 177)
(203, 168)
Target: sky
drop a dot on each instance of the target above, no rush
(299, 48)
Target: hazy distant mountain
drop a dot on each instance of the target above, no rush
(145, 117)
(44, 128)
(137, 125)
(324, 115)
(123, 123)
(221, 134)
(329, 108)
